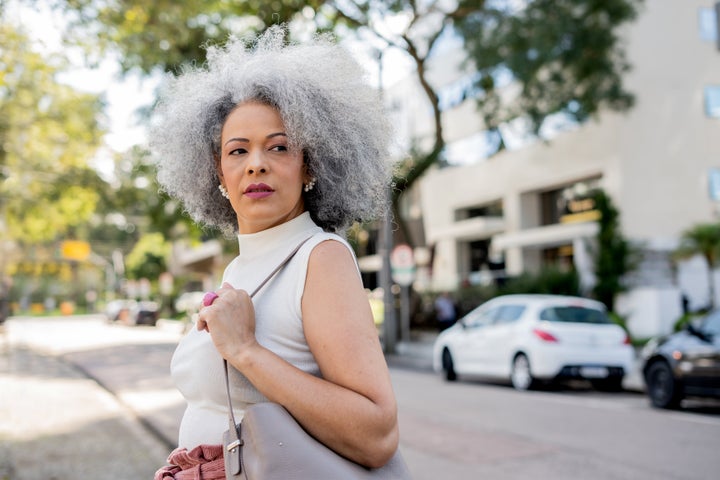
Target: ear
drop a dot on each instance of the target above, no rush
(307, 176)
(218, 169)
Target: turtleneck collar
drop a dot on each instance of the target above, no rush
(254, 245)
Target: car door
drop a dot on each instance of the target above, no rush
(471, 345)
(500, 339)
(701, 358)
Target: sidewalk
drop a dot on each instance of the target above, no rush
(58, 424)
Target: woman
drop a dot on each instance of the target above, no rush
(281, 144)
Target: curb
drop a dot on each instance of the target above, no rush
(156, 432)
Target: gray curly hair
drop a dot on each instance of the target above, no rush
(329, 112)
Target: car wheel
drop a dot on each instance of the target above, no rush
(612, 384)
(521, 376)
(448, 366)
(663, 390)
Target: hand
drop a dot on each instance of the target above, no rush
(230, 320)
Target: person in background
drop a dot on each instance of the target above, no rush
(445, 311)
(280, 144)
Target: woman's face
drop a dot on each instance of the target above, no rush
(263, 177)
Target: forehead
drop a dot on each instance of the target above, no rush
(254, 116)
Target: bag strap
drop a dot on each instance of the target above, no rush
(231, 415)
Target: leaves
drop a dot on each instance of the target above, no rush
(165, 34)
(615, 256)
(702, 239)
(48, 134)
(564, 55)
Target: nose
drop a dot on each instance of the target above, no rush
(257, 163)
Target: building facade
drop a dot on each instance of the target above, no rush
(525, 208)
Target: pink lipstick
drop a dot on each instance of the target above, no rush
(258, 190)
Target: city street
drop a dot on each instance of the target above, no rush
(81, 398)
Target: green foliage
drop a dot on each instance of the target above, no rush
(702, 239)
(566, 55)
(615, 256)
(48, 134)
(551, 281)
(165, 34)
(148, 259)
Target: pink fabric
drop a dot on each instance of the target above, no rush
(204, 462)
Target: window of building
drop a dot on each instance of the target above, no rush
(493, 209)
(568, 203)
(708, 23)
(712, 101)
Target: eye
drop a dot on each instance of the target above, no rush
(279, 148)
(237, 151)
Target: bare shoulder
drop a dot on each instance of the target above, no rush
(331, 253)
(332, 269)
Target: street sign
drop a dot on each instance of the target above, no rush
(402, 265)
(75, 250)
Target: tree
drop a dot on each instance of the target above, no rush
(702, 239)
(564, 56)
(49, 132)
(149, 257)
(614, 257)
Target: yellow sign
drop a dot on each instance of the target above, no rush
(75, 250)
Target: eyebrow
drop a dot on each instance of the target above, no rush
(240, 139)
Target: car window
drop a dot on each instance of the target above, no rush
(711, 324)
(480, 317)
(509, 313)
(573, 314)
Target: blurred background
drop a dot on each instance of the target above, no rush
(541, 146)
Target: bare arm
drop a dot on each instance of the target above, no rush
(352, 409)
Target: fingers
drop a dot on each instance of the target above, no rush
(201, 325)
(214, 299)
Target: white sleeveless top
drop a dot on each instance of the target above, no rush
(197, 367)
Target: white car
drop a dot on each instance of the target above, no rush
(528, 339)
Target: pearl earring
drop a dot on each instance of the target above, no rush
(310, 185)
(223, 191)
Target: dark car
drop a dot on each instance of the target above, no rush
(684, 364)
(131, 312)
(145, 313)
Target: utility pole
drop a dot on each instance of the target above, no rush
(386, 240)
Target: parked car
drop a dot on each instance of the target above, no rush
(531, 339)
(145, 313)
(131, 312)
(119, 310)
(684, 364)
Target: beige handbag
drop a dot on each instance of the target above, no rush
(270, 445)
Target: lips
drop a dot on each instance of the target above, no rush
(258, 190)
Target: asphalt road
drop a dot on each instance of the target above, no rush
(97, 401)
